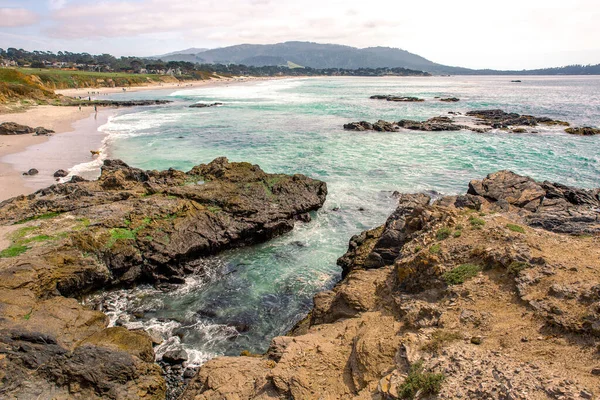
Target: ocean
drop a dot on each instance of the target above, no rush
(247, 296)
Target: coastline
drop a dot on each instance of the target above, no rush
(49, 153)
(59, 119)
(84, 92)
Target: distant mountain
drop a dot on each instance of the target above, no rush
(323, 56)
(314, 55)
(191, 50)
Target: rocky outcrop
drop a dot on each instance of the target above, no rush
(461, 297)
(551, 206)
(583, 131)
(12, 128)
(127, 227)
(476, 121)
(409, 99)
(450, 99)
(436, 124)
(204, 105)
(501, 119)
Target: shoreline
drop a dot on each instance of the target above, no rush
(94, 92)
(59, 119)
(68, 123)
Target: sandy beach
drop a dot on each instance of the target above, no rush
(76, 134)
(59, 119)
(94, 92)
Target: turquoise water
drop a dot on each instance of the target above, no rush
(295, 126)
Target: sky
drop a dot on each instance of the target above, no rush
(512, 34)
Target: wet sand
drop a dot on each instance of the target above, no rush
(59, 119)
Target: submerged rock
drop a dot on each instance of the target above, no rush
(204, 105)
(397, 98)
(583, 131)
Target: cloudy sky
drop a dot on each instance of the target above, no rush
(512, 34)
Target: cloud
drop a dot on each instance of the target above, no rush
(56, 4)
(460, 33)
(17, 17)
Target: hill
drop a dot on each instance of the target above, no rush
(316, 55)
(327, 56)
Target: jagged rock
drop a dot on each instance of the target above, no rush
(363, 336)
(555, 207)
(436, 124)
(450, 99)
(501, 119)
(129, 226)
(583, 131)
(61, 173)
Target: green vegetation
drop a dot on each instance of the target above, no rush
(418, 248)
(476, 222)
(517, 266)
(420, 381)
(38, 217)
(439, 339)
(515, 228)
(443, 233)
(460, 274)
(28, 315)
(117, 234)
(214, 209)
(457, 233)
(13, 251)
(435, 249)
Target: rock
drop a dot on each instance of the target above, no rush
(552, 206)
(451, 99)
(394, 315)
(396, 98)
(583, 131)
(436, 124)
(31, 172)
(41, 131)
(175, 356)
(500, 119)
(359, 126)
(595, 371)
(12, 128)
(128, 226)
(61, 173)
(204, 105)
(77, 179)
(516, 81)
(476, 340)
